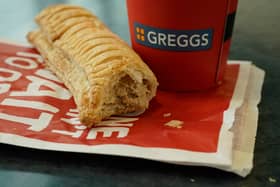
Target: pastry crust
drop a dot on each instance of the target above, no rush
(105, 76)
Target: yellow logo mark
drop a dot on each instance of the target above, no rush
(140, 33)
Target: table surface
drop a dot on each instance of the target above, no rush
(256, 38)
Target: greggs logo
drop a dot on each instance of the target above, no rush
(178, 40)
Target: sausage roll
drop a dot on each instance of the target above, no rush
(105, 76)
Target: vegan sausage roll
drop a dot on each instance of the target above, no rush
(105, 76)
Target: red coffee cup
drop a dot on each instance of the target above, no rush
(185, 43)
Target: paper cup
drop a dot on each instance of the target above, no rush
(185, 43)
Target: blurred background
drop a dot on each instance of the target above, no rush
(17, 16)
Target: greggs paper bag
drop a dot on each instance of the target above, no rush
(214, 128)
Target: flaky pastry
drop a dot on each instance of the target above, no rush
(105, 76)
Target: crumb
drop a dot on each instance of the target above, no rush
(167, 115)
(192, 180)
(175, 123)
(272, 180)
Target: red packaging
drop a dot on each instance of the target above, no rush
(185, 43)
(215, 128)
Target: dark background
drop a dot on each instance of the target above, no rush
(256, 38)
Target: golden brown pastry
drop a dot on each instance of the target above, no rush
(105, 76)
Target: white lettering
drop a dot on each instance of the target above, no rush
(71, 121)
(33, 89)
(107, 132)
(72, 114)
(182, 40)
(30, 104)
(23, 63)
(117, 121)
(152, 37)
(74, 110)
(75, 134)
(34, 124)
(14, 75)
(4, 88)
(171, 40)
(195, 40)
(205, 39)
(74, 119)
(47, 75)
(31, 55)
(161, 39)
